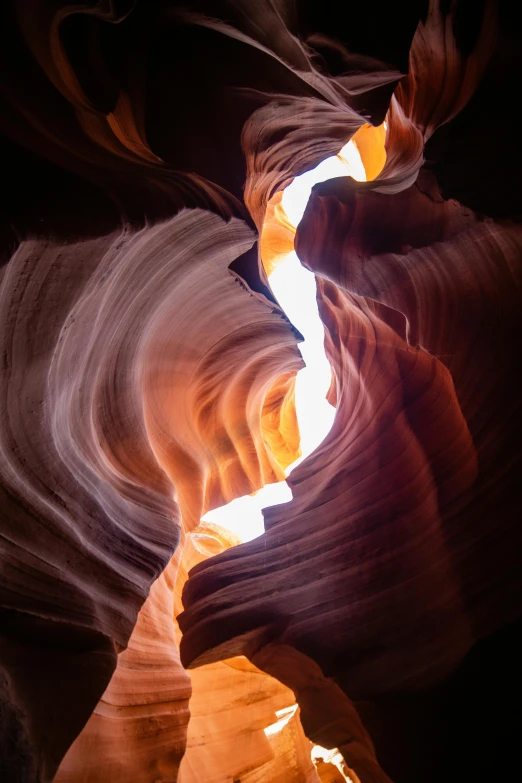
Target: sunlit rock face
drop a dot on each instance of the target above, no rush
(148, 376)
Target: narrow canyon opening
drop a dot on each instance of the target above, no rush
(354, 612)
(242, 519)
(295, 289)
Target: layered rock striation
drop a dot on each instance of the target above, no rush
(148, 376)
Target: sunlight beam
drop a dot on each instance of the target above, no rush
(295, 289)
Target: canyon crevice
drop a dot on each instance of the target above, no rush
(148, 377)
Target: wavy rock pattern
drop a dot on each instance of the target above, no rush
(233, 732)
(148, 375)
(139, 727)
(384, 569)
(110, 436)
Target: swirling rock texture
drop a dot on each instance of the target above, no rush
(234, 732)
(139, 728)
(148, 376)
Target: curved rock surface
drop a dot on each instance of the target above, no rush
(244, 724)
(148, 375)
(385, 569)
(141, 729)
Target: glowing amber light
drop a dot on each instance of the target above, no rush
(362, 158)
(335, 758)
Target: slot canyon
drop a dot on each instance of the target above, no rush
(210, 210)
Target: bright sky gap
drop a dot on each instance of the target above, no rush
(295, 289)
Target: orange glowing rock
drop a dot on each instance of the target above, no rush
(147, 376)
(277, 237)
(279, 421)
(370, 142)
(234, 731)
(138, 730)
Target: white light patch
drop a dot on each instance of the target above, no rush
(295, 289)
(284, 717)
(347, 163)
(243, 515)
(333, 757)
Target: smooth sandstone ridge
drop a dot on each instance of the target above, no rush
(148, 376)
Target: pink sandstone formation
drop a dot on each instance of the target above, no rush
(148, 376)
